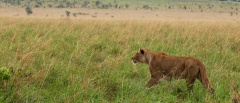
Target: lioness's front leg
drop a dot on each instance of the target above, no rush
(152, 82)
(155, 79)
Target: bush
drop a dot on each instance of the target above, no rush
(185, 7)
(29, 10)
(68, 13)
(127, 5)
(85, 4)
(97, 3)
(4, 74)
(146, 7)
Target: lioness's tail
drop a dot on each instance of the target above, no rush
(204, 79)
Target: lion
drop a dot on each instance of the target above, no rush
(164, 66)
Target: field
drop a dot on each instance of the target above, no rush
(82, 60)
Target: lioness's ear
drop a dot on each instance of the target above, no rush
(141, 50)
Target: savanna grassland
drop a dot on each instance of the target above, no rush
(87, 60)
(70, 60)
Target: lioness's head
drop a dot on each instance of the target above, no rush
(139, 56)
(144, 56)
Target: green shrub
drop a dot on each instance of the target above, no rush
(4, 74)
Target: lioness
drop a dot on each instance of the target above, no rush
(163, 66)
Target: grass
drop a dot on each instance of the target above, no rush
(80, 60)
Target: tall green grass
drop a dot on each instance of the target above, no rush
(76, 60)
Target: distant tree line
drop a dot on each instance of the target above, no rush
(67, 4)
(230, 0)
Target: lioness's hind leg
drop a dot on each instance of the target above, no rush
(190, 83)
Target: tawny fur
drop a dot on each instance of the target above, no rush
(163, 66)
